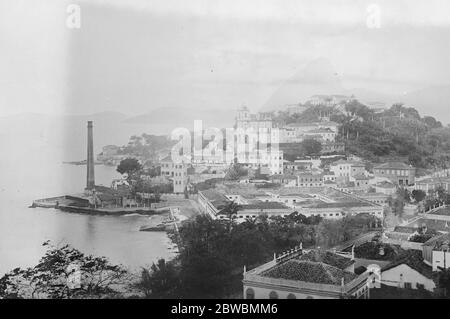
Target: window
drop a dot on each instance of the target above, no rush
(273, 295)
(408, 285)
(249, 293)
(420, 286)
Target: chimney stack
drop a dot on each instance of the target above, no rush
(90, 180)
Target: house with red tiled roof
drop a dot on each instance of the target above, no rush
(306, 274)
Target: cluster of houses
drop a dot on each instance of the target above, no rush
(330, 274)
(329, 186)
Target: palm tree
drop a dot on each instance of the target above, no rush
(230, 210)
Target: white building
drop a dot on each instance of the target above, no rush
(176, 172)
(408, 274)
(436, 252)
(306, 274)
(346, 171)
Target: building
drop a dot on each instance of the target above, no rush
(254, 134)
(325, 135)
(289, 135)
(376, 198)
(284, 179)
(409, 272)
(329, 100)
(332, 147)
(213, 202)
(291, 167)
(436, 252)
(258, 121)
(296, 109)
(303, 128)
(345, 170)
(309, 179)
(386, 188)
(306, 274)
(397, 172)
(176, 172)
(360, 182)
(432, 184)
(322, 201)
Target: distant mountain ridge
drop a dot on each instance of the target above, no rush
(319, 77)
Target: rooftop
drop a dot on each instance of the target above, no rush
(441, 242)
(264, 205)
(406, 229)
(315, 267)
(414, 260)
(434, 180)
(393, 165)
(348, 162)
(328, 258)
(445, 211)
(320, 130)
(283, 176)
(432, 224)
(217, 199)
(385, 185)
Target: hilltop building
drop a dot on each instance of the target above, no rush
(329, 100)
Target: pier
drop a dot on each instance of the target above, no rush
(79, 204)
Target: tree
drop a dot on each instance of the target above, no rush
(64, 272)
(418, 195)
(311, 146)
(235, 172)
(161, 281)
(397, 205)
(404, 194)
(230, 210)
(129, 166)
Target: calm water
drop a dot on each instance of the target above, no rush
(32, 168)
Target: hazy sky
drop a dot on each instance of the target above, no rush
(136, 55)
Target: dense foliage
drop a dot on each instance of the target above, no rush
(395, 133)
(64, 272)
(218, 252)
(129, 166)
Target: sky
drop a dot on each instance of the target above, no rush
(134, 56)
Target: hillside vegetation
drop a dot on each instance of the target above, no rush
(397, 133)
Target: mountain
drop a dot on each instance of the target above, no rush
(318, 77)
(168, 118)
(433, 101)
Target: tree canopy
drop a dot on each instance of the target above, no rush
(64, 272)
(129, 166)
